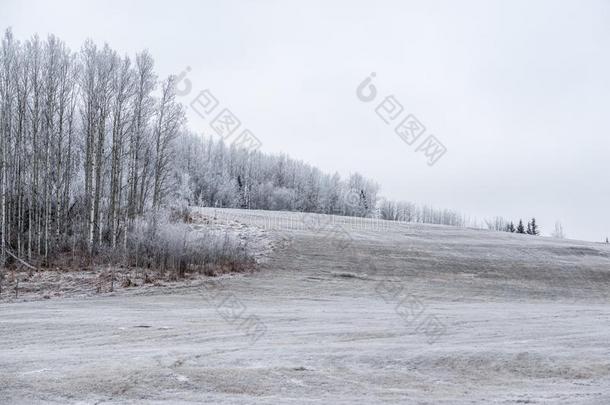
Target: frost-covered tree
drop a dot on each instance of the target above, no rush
(558, 232)
(520, 227)
(532, 227)
(169, 117)
(496, 224)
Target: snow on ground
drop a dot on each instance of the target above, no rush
(342, 311)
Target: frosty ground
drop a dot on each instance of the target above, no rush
(348, 312)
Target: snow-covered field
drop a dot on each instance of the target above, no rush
(343, 311)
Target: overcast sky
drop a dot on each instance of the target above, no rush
(517, 91)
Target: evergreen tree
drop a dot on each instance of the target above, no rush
(520, 227)
(511, 227)
(534, 228)
(529, 228)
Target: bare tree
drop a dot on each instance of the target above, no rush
(7, 97)
(558, 232)
(169, 119)
(139, 149)
(123, 87)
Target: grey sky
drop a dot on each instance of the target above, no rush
(517, 91)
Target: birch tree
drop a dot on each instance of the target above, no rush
(169, 119)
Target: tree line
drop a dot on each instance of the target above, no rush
(212, 173)
(85, 148)
(409, 212)
(500, 224)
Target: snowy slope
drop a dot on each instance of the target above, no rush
(350, 312)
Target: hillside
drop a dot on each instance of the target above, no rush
(340, 312)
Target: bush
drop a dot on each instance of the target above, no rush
(165, 243)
